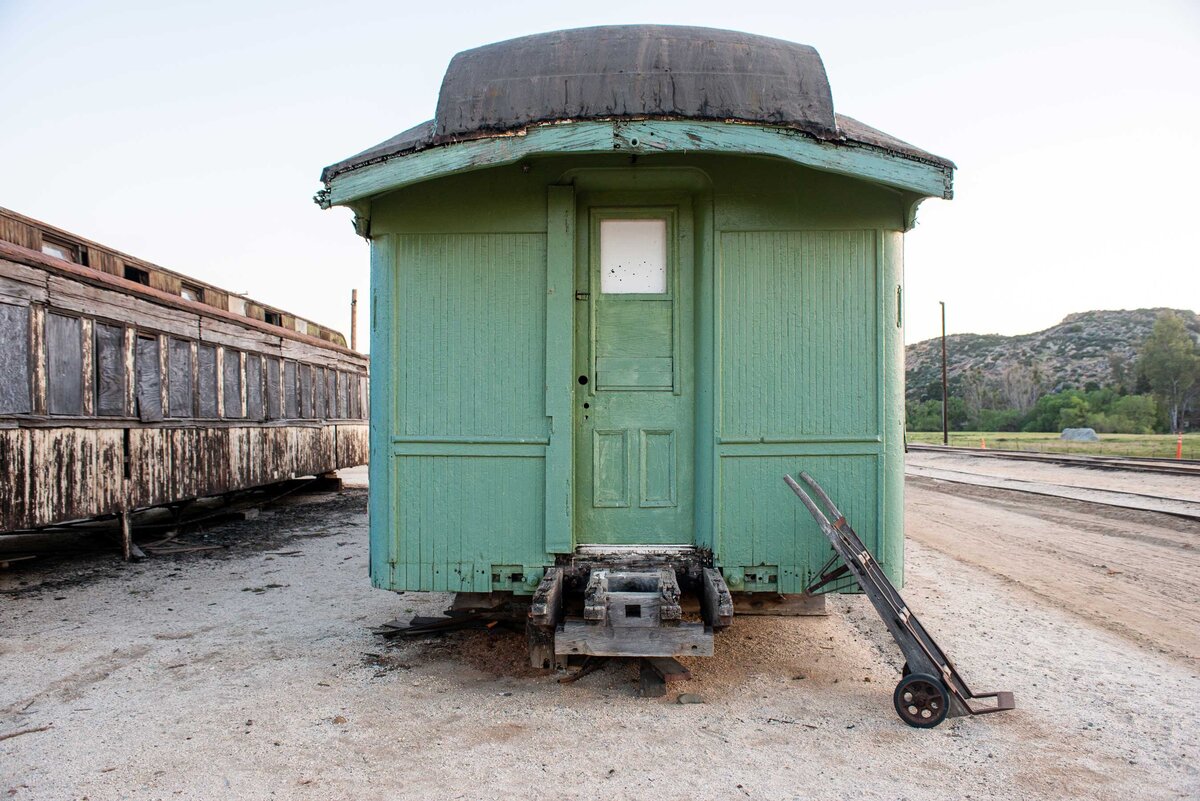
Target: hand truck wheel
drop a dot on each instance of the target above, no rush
(921, 700)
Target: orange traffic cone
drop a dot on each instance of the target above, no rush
(983, 443)
(1179, 447)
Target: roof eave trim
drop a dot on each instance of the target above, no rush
(855, 159)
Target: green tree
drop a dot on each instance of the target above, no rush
(1171, 365)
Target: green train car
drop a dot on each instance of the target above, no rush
(625, 280)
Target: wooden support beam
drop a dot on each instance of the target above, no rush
(716, 604)
(668, 588)
(651, 683)
(546, 607)
(769, 603)
(126, 537)
(580, 637)
(595, 598)
(669, 669)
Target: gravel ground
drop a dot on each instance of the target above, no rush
(251, 672)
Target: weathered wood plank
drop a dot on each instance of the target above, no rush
(651, 683)
(716, 604)
(779, 605)
(21, 282)
(580, 637)
(668, 669)
(223, 332)
(82, 298)
(595, 598)
(546, 606)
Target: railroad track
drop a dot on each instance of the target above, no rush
(1178, 467)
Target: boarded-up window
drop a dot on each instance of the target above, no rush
(14, 359)
(149, 379)
(343, 395)
(180, 394)
(356, 396)
(64, 364)
(274, 397)
(318, 392)
(110, 370)
(291, 405)
(306, 391)
(231, 371)
(331, 394)
(206, 380)
(254, 387)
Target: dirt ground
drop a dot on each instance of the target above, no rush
(251, 672)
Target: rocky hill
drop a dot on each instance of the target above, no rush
(1093, 346)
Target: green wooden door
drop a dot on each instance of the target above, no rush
(634, 396)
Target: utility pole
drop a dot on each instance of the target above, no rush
(945, 384)
(354, 322)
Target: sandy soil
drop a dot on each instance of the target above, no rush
(251, 673)
(1134, 573)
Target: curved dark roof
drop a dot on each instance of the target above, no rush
(635, 71)
(627, 71)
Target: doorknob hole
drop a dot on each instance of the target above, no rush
(583, 379)
(587, 405)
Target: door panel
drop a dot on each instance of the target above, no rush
(634, 398)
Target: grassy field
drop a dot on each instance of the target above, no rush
(1155, 445)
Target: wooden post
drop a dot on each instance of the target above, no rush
(353, 319)
(126, 537)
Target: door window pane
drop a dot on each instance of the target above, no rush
(633, 256)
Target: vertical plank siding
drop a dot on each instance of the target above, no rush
(478, 282)
(799, 390)
(113, 402)
(467, 444)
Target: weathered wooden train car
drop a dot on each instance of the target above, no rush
(625, 280)
(127, 386)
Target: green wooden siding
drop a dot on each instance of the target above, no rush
(798, 365)
(759, 527)
(470, 336)
(799, 351)
(459, 515)
(468, 430)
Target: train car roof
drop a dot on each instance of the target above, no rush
(634, 72)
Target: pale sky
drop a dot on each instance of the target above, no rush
(192, 134)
